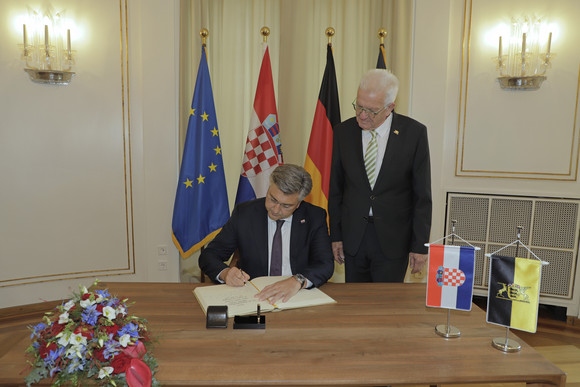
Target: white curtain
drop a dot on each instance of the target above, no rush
(297, 45)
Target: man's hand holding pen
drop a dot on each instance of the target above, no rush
(234, 277)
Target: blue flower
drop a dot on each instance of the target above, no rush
(111, 348)
(36, 329)
(90, 315)
(130, 329)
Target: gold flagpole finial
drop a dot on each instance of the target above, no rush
(382, 35)
(204, 33)
(329, 33)
(265, 31)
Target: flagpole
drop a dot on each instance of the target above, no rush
(506, 344)
(265, 32)
(447, 331)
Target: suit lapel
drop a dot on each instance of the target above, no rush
(260, 233)
(392, 144)
(355, 137)
(298, 233)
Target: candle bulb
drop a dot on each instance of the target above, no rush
(24, 36)
(499, 54)
(523, 45)
(46, 36)
(68, 42)
(549, 44)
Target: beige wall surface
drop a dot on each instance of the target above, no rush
(89, 170)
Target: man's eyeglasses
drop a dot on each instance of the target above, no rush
(359, 109)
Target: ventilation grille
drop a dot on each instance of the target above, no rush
(550, 230)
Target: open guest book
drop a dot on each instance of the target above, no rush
(241, 300)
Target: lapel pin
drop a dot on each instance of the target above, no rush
(302, 220)
(396, 132)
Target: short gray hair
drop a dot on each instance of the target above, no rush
(291, 179)
(381, 80)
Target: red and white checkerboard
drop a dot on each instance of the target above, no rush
(453, 277)
(260, 153)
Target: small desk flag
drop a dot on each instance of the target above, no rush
(514, 291)
(201, 202)
(450, 276)
(263, 150)
(319, 154)
(381, 60)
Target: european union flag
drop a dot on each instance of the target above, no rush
(201, 202)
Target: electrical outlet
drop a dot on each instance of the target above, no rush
(162, 265)
(162, 250)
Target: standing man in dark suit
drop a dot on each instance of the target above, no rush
(257, 229)
(380, 187)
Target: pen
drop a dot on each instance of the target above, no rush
(274, 305)
(258, 314)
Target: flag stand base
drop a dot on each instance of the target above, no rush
(506, 345)
(447, 331)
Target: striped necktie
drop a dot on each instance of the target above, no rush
(371, 159)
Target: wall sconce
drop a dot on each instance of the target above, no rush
(525, 64)
(48, 59)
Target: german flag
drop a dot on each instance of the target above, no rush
(319, 152)
(514, 292)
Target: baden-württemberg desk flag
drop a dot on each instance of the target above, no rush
(381, 60)
(263, 150)
(450, 276)
(201, 202)
(319, 154)
(514, 289)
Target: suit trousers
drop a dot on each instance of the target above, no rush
(369, 264)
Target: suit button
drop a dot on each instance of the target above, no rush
(372, 197)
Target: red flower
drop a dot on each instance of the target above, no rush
(135, 351)
(98, 354)
(86, 296)
(120, 363)
(84, 331)
(111, 329)
(44, 350)
(56, 328)
(138, 374)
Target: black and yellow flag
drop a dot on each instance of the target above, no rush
(514, 292)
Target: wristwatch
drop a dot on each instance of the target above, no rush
(301, 279)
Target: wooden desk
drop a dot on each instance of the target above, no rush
(376, 335)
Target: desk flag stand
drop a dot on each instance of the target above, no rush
(506, 344)
(449, 331)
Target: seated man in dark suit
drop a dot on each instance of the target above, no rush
(276, 235)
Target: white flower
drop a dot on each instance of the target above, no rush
(63, 318)
(69, 305)
(121, 310)
(109, 313)
(86, 303)
(64, 339)
(124, 340)
(77, 339)
(105, 371)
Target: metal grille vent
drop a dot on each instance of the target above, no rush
(550, 229)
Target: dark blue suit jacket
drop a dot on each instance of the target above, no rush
(401, 197)
(247, 231)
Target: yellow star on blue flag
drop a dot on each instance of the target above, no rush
(200, 209)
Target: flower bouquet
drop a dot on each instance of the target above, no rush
(91, 339)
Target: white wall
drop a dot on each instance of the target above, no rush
(127, 126)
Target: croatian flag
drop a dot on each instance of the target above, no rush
(263, 150)
(450, 277)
